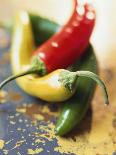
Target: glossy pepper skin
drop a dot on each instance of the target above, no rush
(57, 86)
(75, 108)
(42, 28)
(63, 48)
(68, 44)
(47, 88)
(27, 41)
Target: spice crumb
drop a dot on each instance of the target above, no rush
(2, 142)
(36, 151)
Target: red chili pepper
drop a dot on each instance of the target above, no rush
(70, 42)
(63, 48)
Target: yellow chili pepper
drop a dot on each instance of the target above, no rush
(48, 87)
(57, 86)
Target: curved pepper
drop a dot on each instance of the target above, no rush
(42, 28)
(68, 44)
(47, 88)
(75, 108)
(57, 86)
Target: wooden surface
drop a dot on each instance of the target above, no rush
(101, 139)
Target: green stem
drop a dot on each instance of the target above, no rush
(30, 71)
(37, 67)
(97, 79)
(69, 80)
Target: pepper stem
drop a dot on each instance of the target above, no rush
(37, 67)
(69, 80)
(96, 79)
(30, 71)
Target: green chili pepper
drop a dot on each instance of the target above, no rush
(75, 108)
(42, 28)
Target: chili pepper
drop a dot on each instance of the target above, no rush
(22, 49)
(75, 108)
(59, 85)
(42, 28)
(62, 127)
(69, 43)
(63, 48)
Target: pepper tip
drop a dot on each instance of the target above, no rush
(107, 103)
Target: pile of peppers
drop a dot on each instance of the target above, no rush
(41, 51)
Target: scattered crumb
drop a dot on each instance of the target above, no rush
(2, 142)
(3, 96)
(5, 151)
(21, 110)
(36, 151)
(38, 116)
(11, 122)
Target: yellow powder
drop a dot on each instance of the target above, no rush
(39, 141)
(36, 151)
(45, 109)
(34, 123)
(85, 143)
(9, 141)
(2, 142)
(27, 105)
(5, 151)
(19, 129)
(100, 138)
(38, 116)
(49, 130)
(18, 153)
(21, 110)
(3, 96)
(11, 122)
(19, 143)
